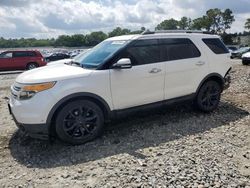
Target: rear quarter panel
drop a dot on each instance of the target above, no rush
(218, 63)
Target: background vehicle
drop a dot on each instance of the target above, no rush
(120, 75)
(69, 60)
(246, 58)
(56, 56)
(18, 60)
(232, 48)
(238, 53)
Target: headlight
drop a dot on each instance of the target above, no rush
(28, 91)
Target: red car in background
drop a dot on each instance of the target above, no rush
(20, 60)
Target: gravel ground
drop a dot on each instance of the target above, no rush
(171, 147)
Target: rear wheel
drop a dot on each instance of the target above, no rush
(31, 66)
(79, 122)
(208, 97)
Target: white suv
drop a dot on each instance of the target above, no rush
(73, 100)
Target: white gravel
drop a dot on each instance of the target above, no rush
(171, 147)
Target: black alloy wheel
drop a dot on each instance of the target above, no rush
(208, 97)
(79, 122)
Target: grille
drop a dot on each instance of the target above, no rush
(15, 90)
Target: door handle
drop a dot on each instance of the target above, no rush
(199, 63)
(154, 70)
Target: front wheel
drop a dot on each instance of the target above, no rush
(79, 121)
(208, 97)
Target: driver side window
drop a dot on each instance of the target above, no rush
(143, 52)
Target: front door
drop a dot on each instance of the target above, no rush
(144, 82)
(6, 61)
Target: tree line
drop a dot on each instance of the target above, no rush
(77, 40)
(215, 21)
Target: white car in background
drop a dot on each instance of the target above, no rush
(122, 74)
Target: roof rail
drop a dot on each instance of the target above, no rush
(175, 31)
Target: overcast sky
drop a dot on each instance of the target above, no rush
(50, 18)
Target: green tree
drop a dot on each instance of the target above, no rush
(185, 23)
(118, 32)
(94, 38)
(63, 40)
(201, 23)
(247, 24)
(170, 24)
(215, 21)
(228, 19)
(77, 40)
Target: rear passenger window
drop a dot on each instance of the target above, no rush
(178, 48)
(216, 45)
(24, 54)
(143, 52)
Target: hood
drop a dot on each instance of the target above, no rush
(246, 55)
(61, 62)
(52, 73)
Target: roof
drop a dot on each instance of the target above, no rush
(21, 51)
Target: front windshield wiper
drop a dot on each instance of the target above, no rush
(74, 63)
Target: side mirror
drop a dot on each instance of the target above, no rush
(124, 63)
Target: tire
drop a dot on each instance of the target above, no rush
(79, 122)
(31, 66)
(208, 97)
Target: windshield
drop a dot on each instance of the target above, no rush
(97, 55)
(79, 56)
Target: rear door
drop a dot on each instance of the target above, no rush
(186, 66)
(6, 61)
(20, 60)
(144, 82)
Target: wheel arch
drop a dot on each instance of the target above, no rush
(90, 96)
(212, 76)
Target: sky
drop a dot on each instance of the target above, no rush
(51, 18)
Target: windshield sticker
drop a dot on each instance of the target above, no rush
(120, 42)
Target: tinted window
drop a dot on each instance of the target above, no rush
(142, 52)
(31, 54)
(174, 49)
(24, 54)
(216, 45)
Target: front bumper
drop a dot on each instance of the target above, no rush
(39, 131)
(246, 59)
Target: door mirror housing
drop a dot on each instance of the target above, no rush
(124, 63)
